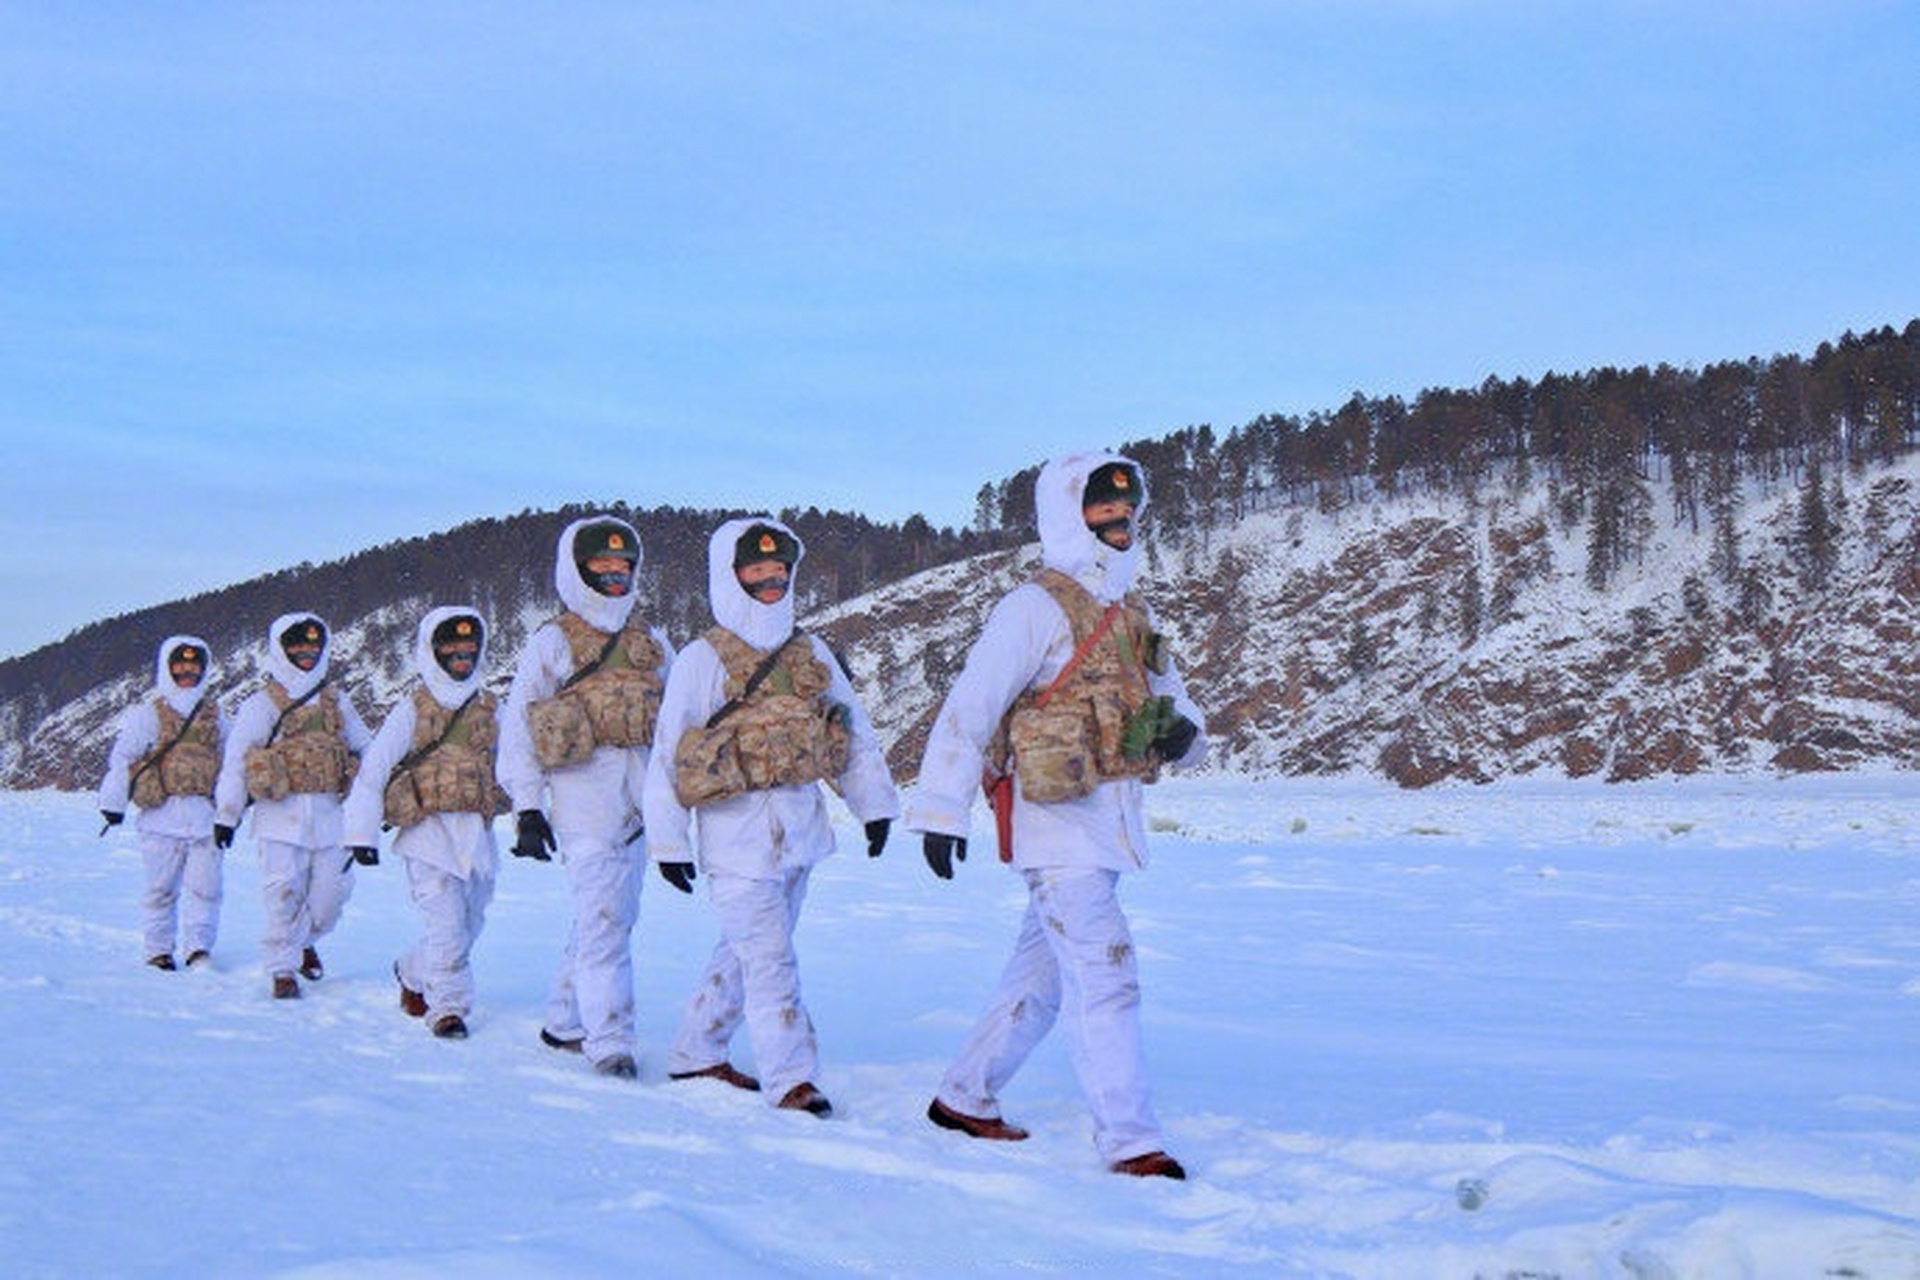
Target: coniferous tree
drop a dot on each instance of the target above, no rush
(1816, 533)
(1363, 655)
(1471, 602)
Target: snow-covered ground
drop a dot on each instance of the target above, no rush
(1670, 1029)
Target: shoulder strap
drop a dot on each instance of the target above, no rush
(171, 743)
(1079, 655)
(599, 662)
(293, 706)
(418, 754)
(754, 681)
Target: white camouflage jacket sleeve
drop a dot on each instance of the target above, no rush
(353, 728)
(366, 800)
(138, 733)
(251, 725)
(543, 666)
(867, 783)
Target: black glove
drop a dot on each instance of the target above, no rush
(942, 851)
(678, 874)
(365, 854)
(222, 836)
(112, 819)
(877, 835)
(1176, 738)
(534, 838)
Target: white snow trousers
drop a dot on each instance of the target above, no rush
(592, 997)
(182, 898)
(305, 889)
(753, 976)
(1074, 957)
(452, 913)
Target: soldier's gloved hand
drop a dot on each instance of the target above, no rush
(533, 837)
(877, 835)
(942, 851)
(222, 836)
(112, 819)
(365, 854)
(679, 875)
(1176, 738)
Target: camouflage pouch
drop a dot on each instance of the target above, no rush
(267, 774)
(1053, 758)
(706, 766)
(190, 769)
(1120, 750)
(790, 741)
(455, 780)
(562, 731)
(621, 706)
(316, 764)
(149, 792)
(442, 782)
(400, 804)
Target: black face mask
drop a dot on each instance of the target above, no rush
(1120, 524)
(781, 584)
(309, 638)
(446, 658)
(605, 582)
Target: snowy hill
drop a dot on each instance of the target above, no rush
(1539, 1028)
(1419, 635)
(1430, 637)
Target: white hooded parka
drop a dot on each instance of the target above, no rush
(460, 844)
(180, 817)
(599, 799)
(310, 821)
(760, 834)
(1025, 643)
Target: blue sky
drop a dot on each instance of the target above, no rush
(285, 280)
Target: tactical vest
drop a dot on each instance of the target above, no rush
(450, 764)
(308, 753)
(1064, 747)
(784, 733)
(613, 705)
(179, 763)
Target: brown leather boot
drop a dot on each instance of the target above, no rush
(450, 1026)
(993, 1128)
(412, 1003)
(284, 987)
(310, 967)
(804, 1097)
(1154, 1164)
(725, 1072)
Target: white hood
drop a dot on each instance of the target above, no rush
(181, 700)
(296, 682)
(608, 613)
(1066, 543)
(764, 626)
(446, 690)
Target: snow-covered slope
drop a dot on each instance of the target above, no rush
(1418, 637)
(1348, 642)
(1538, 1028)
